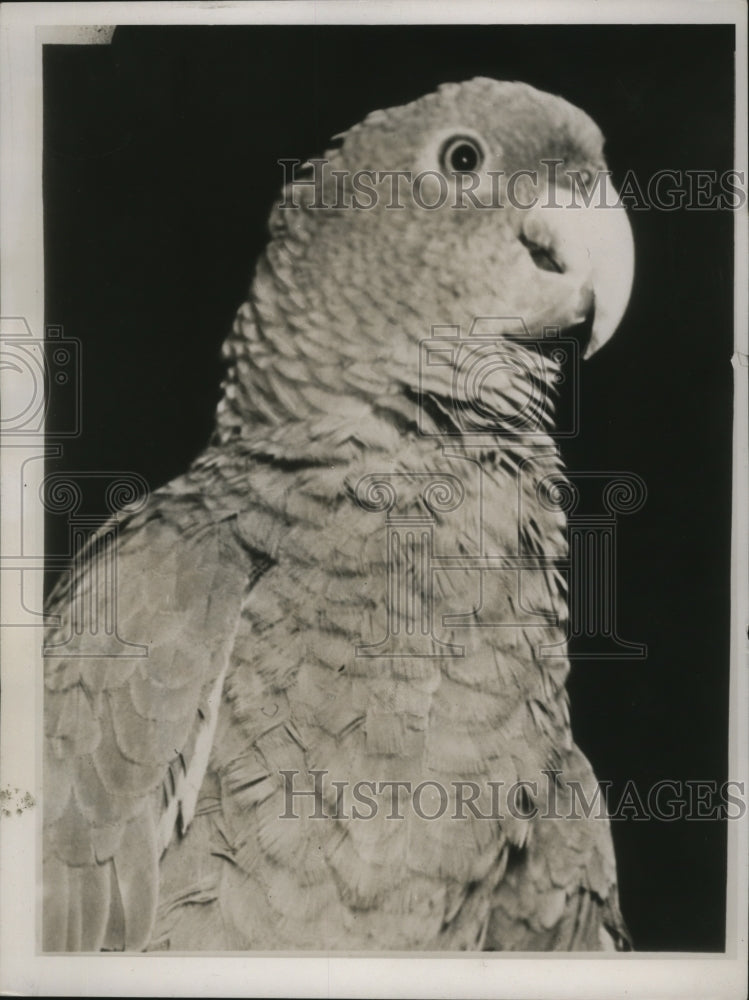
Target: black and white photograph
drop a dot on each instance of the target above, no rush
(374, 543)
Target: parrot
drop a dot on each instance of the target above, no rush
(345, 734)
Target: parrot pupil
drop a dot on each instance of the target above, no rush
(464, 157)
(461, 154)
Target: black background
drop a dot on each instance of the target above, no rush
(160, 165)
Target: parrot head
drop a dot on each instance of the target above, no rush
(466, 203)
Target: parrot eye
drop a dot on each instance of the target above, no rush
(461, 154)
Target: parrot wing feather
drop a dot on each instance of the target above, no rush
(560, 893)
(127, 738)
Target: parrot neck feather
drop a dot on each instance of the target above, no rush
(307, 377)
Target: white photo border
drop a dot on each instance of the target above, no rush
(24, 27)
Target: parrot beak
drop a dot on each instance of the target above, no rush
(591, 245)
